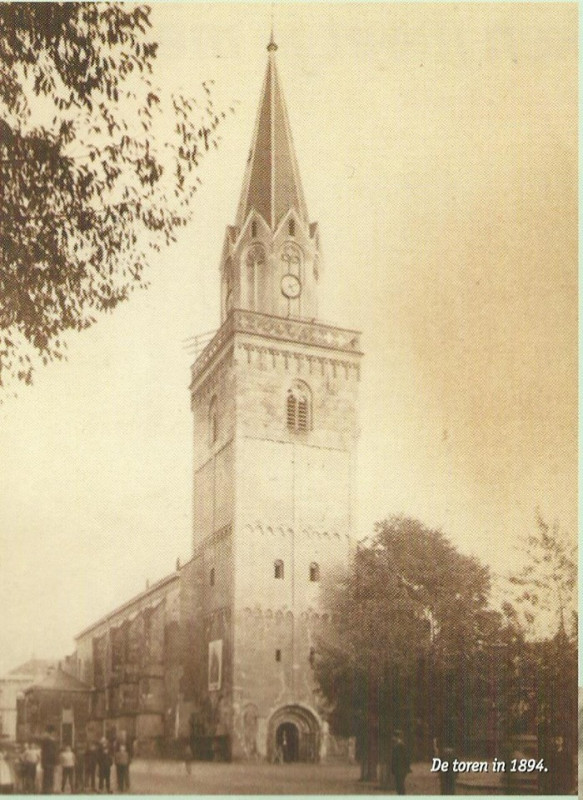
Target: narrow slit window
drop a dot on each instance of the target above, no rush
(213, 422)
(278, 655)
(291, 226)
(212, 577)
(278, 570)
(314, 572)
(254, 229)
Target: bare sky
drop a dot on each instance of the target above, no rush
(437, 148)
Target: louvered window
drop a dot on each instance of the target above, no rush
(303, 414)
(291, 410)
(298, 408)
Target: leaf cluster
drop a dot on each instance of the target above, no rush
(545, 587)
(98, 168)
(408, 594)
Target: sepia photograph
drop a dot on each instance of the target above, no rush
(289, 398)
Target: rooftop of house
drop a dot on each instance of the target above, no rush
(32, 668)
(60, 681)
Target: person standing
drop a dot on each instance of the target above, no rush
(79, 768)
(67, 769)
(122, 762)
(128, 743)
(90, 759)
(447, 779)
(399, 761)
(39, 772)
(104, 761)
(49, 756)
(31, 759)
(19, 767)
(130, 748)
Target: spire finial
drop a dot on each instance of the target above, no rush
(272, 47)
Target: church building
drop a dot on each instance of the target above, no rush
(221, 651)
(274, 399)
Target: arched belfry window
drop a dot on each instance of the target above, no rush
(299, 407)
(314, 572)
(255, 262)
(213, 420)
(278, 569)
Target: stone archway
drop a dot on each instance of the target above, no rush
(296, 731)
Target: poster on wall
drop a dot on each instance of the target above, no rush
(215, 664)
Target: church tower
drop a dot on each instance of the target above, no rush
(274, 401)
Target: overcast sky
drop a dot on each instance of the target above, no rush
(437, 149)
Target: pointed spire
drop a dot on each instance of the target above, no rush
(272, 181)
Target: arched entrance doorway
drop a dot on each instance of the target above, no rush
(295, 731)
(287, 738)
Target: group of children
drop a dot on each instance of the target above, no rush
(20, 770)
(30, 769)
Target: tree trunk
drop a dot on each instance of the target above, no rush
(371, 751)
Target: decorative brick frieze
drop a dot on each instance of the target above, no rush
(295, 362)
(297, 330)
(282, 329)
(268, 530)
(278, 615)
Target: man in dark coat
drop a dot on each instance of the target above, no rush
(48, 759)
(399, 762)
(447, 779)
(90, 766)
(104, 761)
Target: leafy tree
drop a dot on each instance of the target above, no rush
(545, 684)
(410, 606)
(96, 167)
(546, 585)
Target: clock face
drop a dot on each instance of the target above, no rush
(291, 286)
